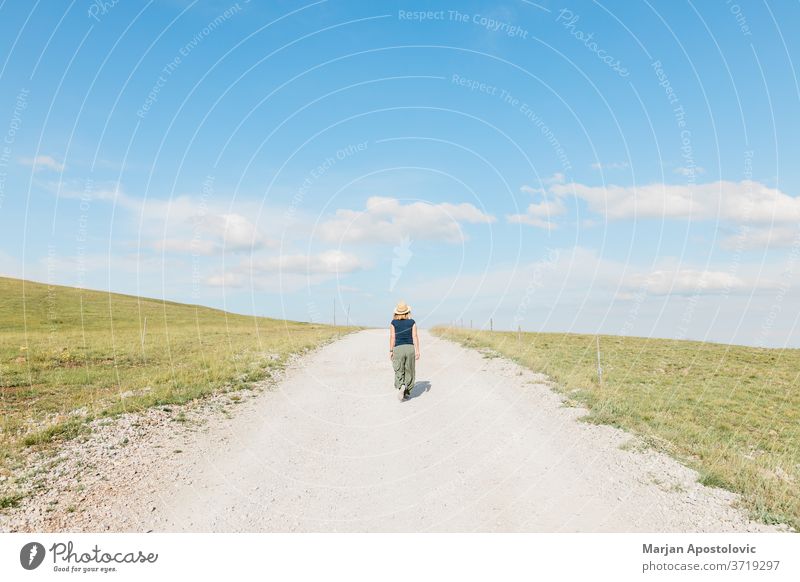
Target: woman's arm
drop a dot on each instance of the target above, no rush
(416, 341)
(391, 340)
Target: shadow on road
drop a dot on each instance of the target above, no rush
(419, 389)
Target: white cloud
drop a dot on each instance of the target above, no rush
(582, 292)
(89, 191)
(557, 178)
(387, 220)
(101, 270)
(328, 262)
(539, 214)
(207, 233)
(739, 202)
(767, 215)
(288, 272)
(43, 163)
(689, 172)
(692, 281)
(233, 231)
(187, 224)
(609, 166)
(183, 224)
(229, 279)
(757, 237)
(569, 275)
(533, 191)
(191, 246)
(559, 274)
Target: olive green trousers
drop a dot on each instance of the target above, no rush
(403, 364)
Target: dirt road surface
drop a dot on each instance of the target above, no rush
(482, 445)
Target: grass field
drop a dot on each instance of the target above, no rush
(69, 355)
(730, 412)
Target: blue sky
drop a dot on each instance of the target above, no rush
(622, 168)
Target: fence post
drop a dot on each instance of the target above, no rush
(144, 334)
(599, 367)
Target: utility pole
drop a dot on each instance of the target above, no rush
(348, 315)
(519, 334)
(334, 311)
(491, 324)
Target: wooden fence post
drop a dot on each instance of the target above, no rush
(599, 367)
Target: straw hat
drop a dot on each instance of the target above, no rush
(402, 308)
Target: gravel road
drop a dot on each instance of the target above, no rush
(482, 445)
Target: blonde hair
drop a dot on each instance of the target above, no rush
(403, 316)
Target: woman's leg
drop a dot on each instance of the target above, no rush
(409, 369)
(399, 369)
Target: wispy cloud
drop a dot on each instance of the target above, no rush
(610, 166)
(539, 214)
(580, 273)
(196, 228)
(327, 262)
(689, 172)
(387, 220)
(768, 214)
(693, 281)
(184, 224)
(188, 246)
(557, 178)
(40, 163)
(89, 190)
(216, 233)
(286, 272)
(751, 237)
(739, 202)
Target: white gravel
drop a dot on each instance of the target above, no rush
(483, 445)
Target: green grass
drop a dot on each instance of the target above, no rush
(7, 501)
(730, 412)
(70, 355)
(66, 430)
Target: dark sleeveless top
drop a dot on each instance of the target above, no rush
(402, 331)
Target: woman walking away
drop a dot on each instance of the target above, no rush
(403, 349)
